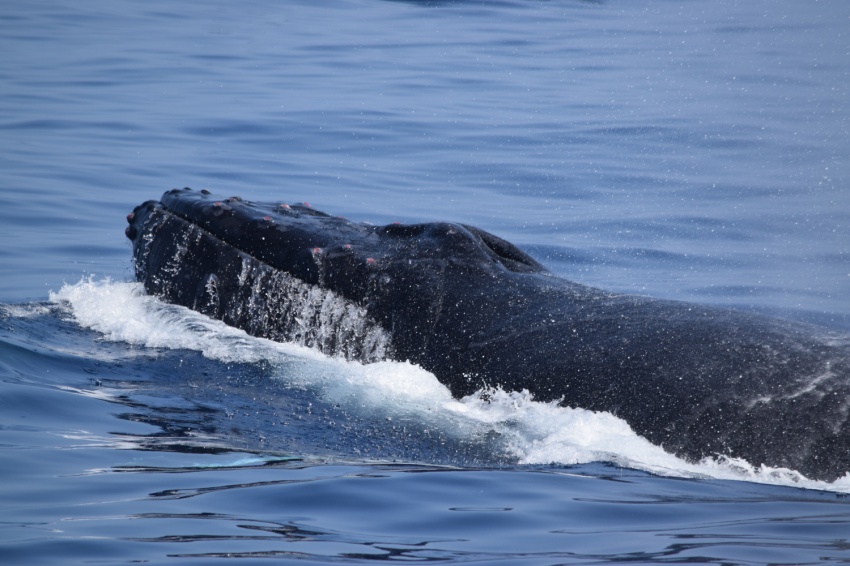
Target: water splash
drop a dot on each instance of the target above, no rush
(532, 432)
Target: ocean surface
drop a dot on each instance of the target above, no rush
(697, 151)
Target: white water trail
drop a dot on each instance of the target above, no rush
(534, 432)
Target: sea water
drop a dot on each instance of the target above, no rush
(693, 151)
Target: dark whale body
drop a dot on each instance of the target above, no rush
(476, 311)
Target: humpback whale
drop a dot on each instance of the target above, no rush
(478, 312)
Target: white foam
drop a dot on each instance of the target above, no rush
(534, 432)
(123, 312)
(29, 310)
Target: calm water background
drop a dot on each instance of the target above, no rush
(696, 151)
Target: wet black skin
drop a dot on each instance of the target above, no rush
(478, 312)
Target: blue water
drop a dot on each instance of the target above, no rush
(695, 151)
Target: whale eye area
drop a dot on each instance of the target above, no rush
(510, 256)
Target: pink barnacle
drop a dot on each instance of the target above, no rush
(130, 216)
(347, 246)
(370, 261)
(219, 208)
(286, 207)
(317, 251)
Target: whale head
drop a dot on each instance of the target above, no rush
(292, 273)
(320, 249)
